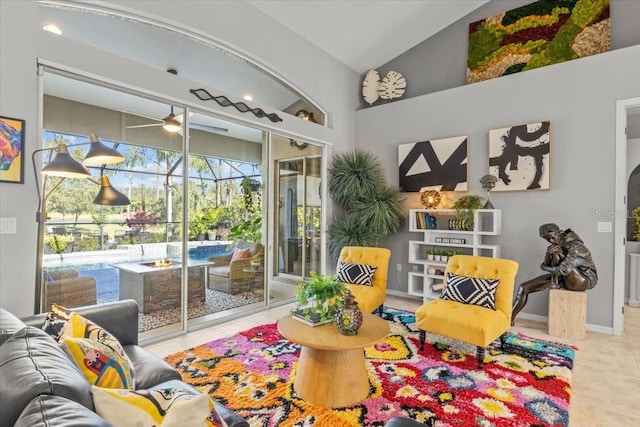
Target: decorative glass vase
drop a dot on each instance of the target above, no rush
(348, 316)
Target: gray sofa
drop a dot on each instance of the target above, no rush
(40, 385)
(403, 422)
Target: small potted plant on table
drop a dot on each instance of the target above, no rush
(317, 299)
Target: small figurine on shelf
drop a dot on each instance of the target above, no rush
(488, 182)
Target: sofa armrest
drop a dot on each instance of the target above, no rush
(150, 370)
(403, 422)
(220, 260)
(236, 267)
(120, 318)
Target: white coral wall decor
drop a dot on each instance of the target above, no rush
(370, 86)
(391, 87)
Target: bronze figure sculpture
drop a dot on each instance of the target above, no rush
(567, 260)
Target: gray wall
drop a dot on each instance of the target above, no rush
(440, 62)
(579, 98)
(22, 43)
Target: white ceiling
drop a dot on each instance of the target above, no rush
(366, 34)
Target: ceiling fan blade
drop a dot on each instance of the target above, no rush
(155, 119)
(144, 126)
(207, 128)
(180, 117)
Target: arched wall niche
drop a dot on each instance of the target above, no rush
(195, 56)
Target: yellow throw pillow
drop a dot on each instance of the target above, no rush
(80, 327)
(168, 407)
(99, 363)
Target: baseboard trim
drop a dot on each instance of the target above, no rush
(545, 319)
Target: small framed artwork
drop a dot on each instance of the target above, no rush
(11, 150)
(438, 164)
(519, 157)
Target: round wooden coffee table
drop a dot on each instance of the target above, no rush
(332, 370)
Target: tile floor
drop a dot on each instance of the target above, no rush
(606, 374)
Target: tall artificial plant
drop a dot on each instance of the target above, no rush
(372, 209)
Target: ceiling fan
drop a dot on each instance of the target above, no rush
(173, 123)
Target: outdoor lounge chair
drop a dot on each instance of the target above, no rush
(68, 289)
(228, 274)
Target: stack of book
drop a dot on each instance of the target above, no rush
(311, 319)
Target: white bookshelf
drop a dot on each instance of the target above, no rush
(487, 222)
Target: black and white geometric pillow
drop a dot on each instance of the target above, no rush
(56, 319)
(357, 274)
(471, 290)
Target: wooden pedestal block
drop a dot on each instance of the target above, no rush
(567, 314)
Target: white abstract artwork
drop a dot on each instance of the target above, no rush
(438, 164)
(519, 157)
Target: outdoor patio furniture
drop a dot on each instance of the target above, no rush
(67, 288)
(234, 275)
(160, 287)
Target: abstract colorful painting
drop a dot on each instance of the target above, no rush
(11, 150)
(438, 164)
(519, 157)
(542, 33)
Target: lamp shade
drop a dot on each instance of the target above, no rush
(171, 123)
(100, 154)
(64, 165)
(110, 196)
(430, 199)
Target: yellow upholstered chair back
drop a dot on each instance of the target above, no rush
(488, 268)
(369, 298)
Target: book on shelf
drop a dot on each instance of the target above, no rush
(312, 319)
(424, 221)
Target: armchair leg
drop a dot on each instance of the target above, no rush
(423, 338)
(503, 339)
(480, 357)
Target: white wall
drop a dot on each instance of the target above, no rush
(330, 83)
(579, 98)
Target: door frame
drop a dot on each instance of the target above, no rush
(623, 108)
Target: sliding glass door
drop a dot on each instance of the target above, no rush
(298, 213)
(194, 195)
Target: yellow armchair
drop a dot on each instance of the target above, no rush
(470, 323)
(369, 298)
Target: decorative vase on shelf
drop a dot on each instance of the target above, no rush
(349, 316)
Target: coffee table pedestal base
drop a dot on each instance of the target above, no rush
(332, 378)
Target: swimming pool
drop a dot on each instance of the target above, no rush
(99, 265)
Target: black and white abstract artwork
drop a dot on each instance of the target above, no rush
(519, 157)
(438, 164)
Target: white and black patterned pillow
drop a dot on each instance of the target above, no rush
(357, 274)
(471, 290)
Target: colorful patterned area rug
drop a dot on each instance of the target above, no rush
(526, 383)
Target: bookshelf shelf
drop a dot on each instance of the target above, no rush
(439, 238)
